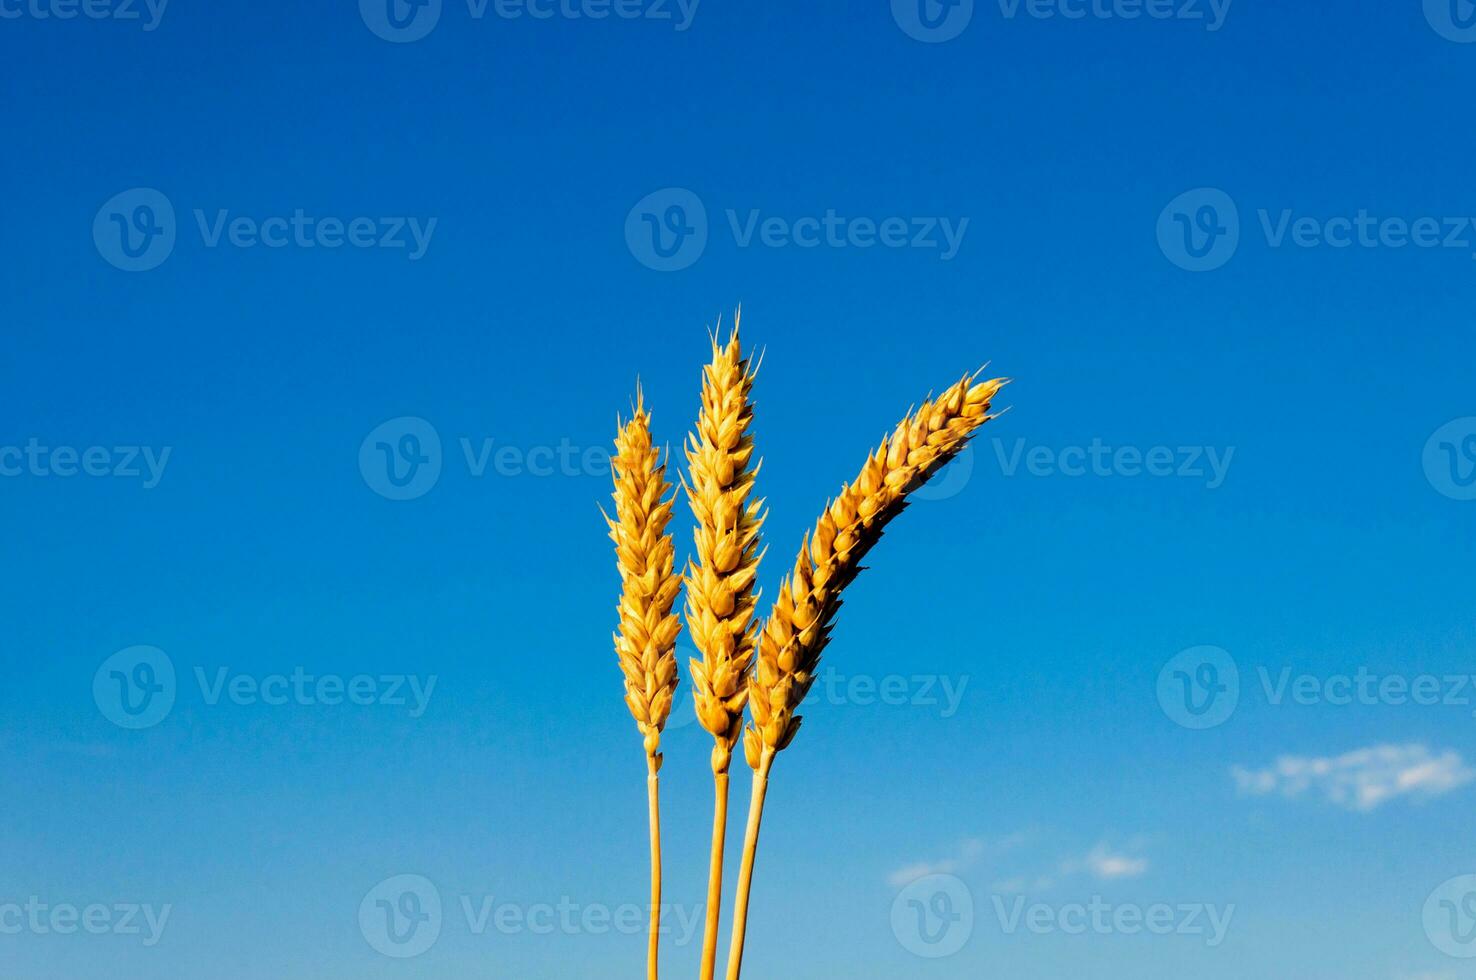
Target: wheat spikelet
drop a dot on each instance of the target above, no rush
(720, 593)
(719, 582)
(799, 625)
(646, 640)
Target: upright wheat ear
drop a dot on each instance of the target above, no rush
(646, 640)
(800, 623)
(720, 594)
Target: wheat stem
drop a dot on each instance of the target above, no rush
(745, 871)
(715, 874)
(653, 794)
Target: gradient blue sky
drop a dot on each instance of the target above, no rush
(1053, 601)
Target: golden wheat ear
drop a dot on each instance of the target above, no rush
(645, 642)
(721, 599)
(800, 622)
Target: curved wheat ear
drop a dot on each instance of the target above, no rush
(720, 593)
(646, 640)
(830, 558)
(799, 625)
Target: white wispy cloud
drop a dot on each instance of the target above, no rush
(1103, 862)
(1363, 779)
(969, 853)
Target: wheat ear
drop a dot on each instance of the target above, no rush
(719, 580)
(646, 640)
(799, 625)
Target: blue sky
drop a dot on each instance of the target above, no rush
(1226, 251)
